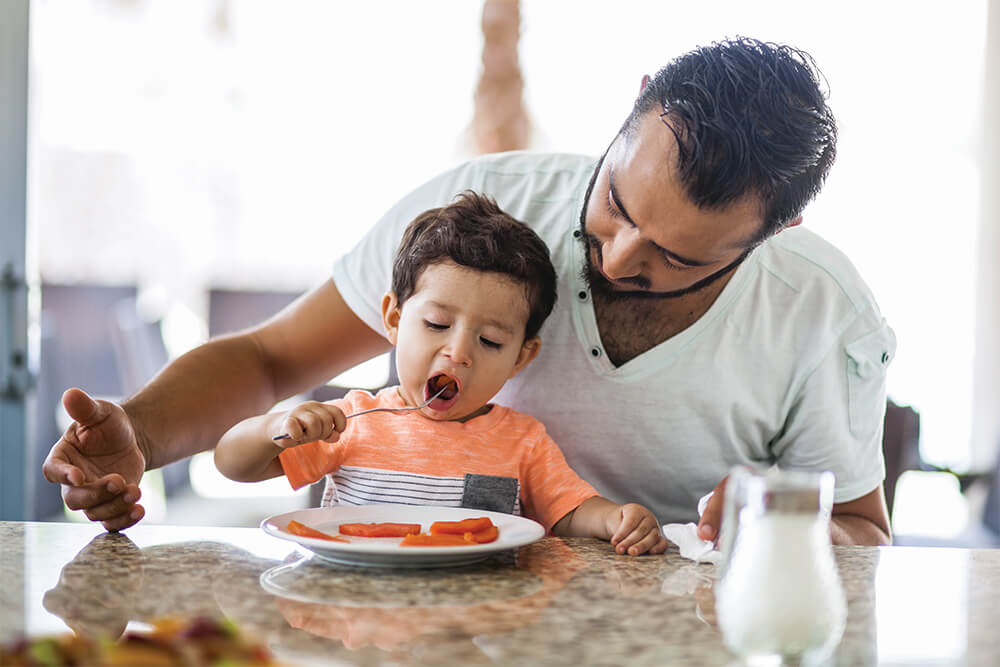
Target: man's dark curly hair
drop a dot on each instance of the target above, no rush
(750, 118)
(474, 231)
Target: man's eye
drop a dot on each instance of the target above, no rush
(435, 326)
(489, 343)
(612, 211)
(672, 264)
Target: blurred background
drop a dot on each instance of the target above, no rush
(192, 166)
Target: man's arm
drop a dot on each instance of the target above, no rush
(864, 520)
(196, 398)
(189, 405)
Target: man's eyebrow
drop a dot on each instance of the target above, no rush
(621, 208)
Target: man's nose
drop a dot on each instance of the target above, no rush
(622, 255)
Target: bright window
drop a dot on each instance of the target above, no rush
(250, 142)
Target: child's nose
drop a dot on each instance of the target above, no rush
(459, 350)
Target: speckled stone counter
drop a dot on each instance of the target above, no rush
(571, 602)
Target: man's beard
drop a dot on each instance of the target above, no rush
(599, 285)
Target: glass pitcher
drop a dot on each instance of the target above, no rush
(778, 595)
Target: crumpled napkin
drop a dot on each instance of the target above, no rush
(685, 536)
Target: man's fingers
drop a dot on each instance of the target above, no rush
(116, 507)
(711, 518)
(58, 471)
(123, 521)
(81, 407)
(104, 490)
(84, 497)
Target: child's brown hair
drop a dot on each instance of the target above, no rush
(475, 232)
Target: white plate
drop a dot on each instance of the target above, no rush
(515, 532)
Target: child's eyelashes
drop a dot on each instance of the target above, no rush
(486, 342)
(489, 343)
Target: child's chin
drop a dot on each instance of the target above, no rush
(441, 405)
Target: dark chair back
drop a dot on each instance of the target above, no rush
(900, 446)
(231, 310)
(991, 511)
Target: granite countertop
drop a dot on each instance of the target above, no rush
(557, 601)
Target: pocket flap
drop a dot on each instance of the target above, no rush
(871, 354)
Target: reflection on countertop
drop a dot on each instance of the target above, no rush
(557, 601)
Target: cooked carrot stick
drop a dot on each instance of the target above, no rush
(483, 536)
(439, 540)
(461, 527)
(379, 529)
(302, 530)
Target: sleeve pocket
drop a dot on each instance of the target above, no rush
(868, 359)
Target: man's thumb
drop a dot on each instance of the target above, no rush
(81, 407)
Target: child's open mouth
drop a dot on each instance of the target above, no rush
(447, 397)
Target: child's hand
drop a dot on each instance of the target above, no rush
(635, 531)
(311, 421)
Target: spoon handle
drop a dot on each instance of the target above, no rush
(286, 436)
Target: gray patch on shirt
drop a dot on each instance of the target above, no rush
(491, 493)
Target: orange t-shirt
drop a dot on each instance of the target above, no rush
(502, 461)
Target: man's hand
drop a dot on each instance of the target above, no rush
(861, 521)
(711, 518)
(98, 462)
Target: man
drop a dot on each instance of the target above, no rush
(695, 330)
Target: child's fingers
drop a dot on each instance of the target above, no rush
(645, 538)
(312, 421)
(339, 420)
(631, 516)
(318, 424)
(305, 426)
(627, 543)
(652, 543)
(643, 532)
(293, 429)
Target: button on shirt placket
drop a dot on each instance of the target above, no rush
(583, 296)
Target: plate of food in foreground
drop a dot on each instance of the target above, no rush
(199, 640)
(403, 535)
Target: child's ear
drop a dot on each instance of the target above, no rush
(390, 316)
(529, 350)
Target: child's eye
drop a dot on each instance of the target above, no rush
(435, 326)
(489, 343)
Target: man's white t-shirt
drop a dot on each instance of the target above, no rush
(787, 367)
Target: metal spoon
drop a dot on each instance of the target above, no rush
(286, 436)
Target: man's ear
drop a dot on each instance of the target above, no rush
(529, 350)
(390, 316)
(642, 86)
